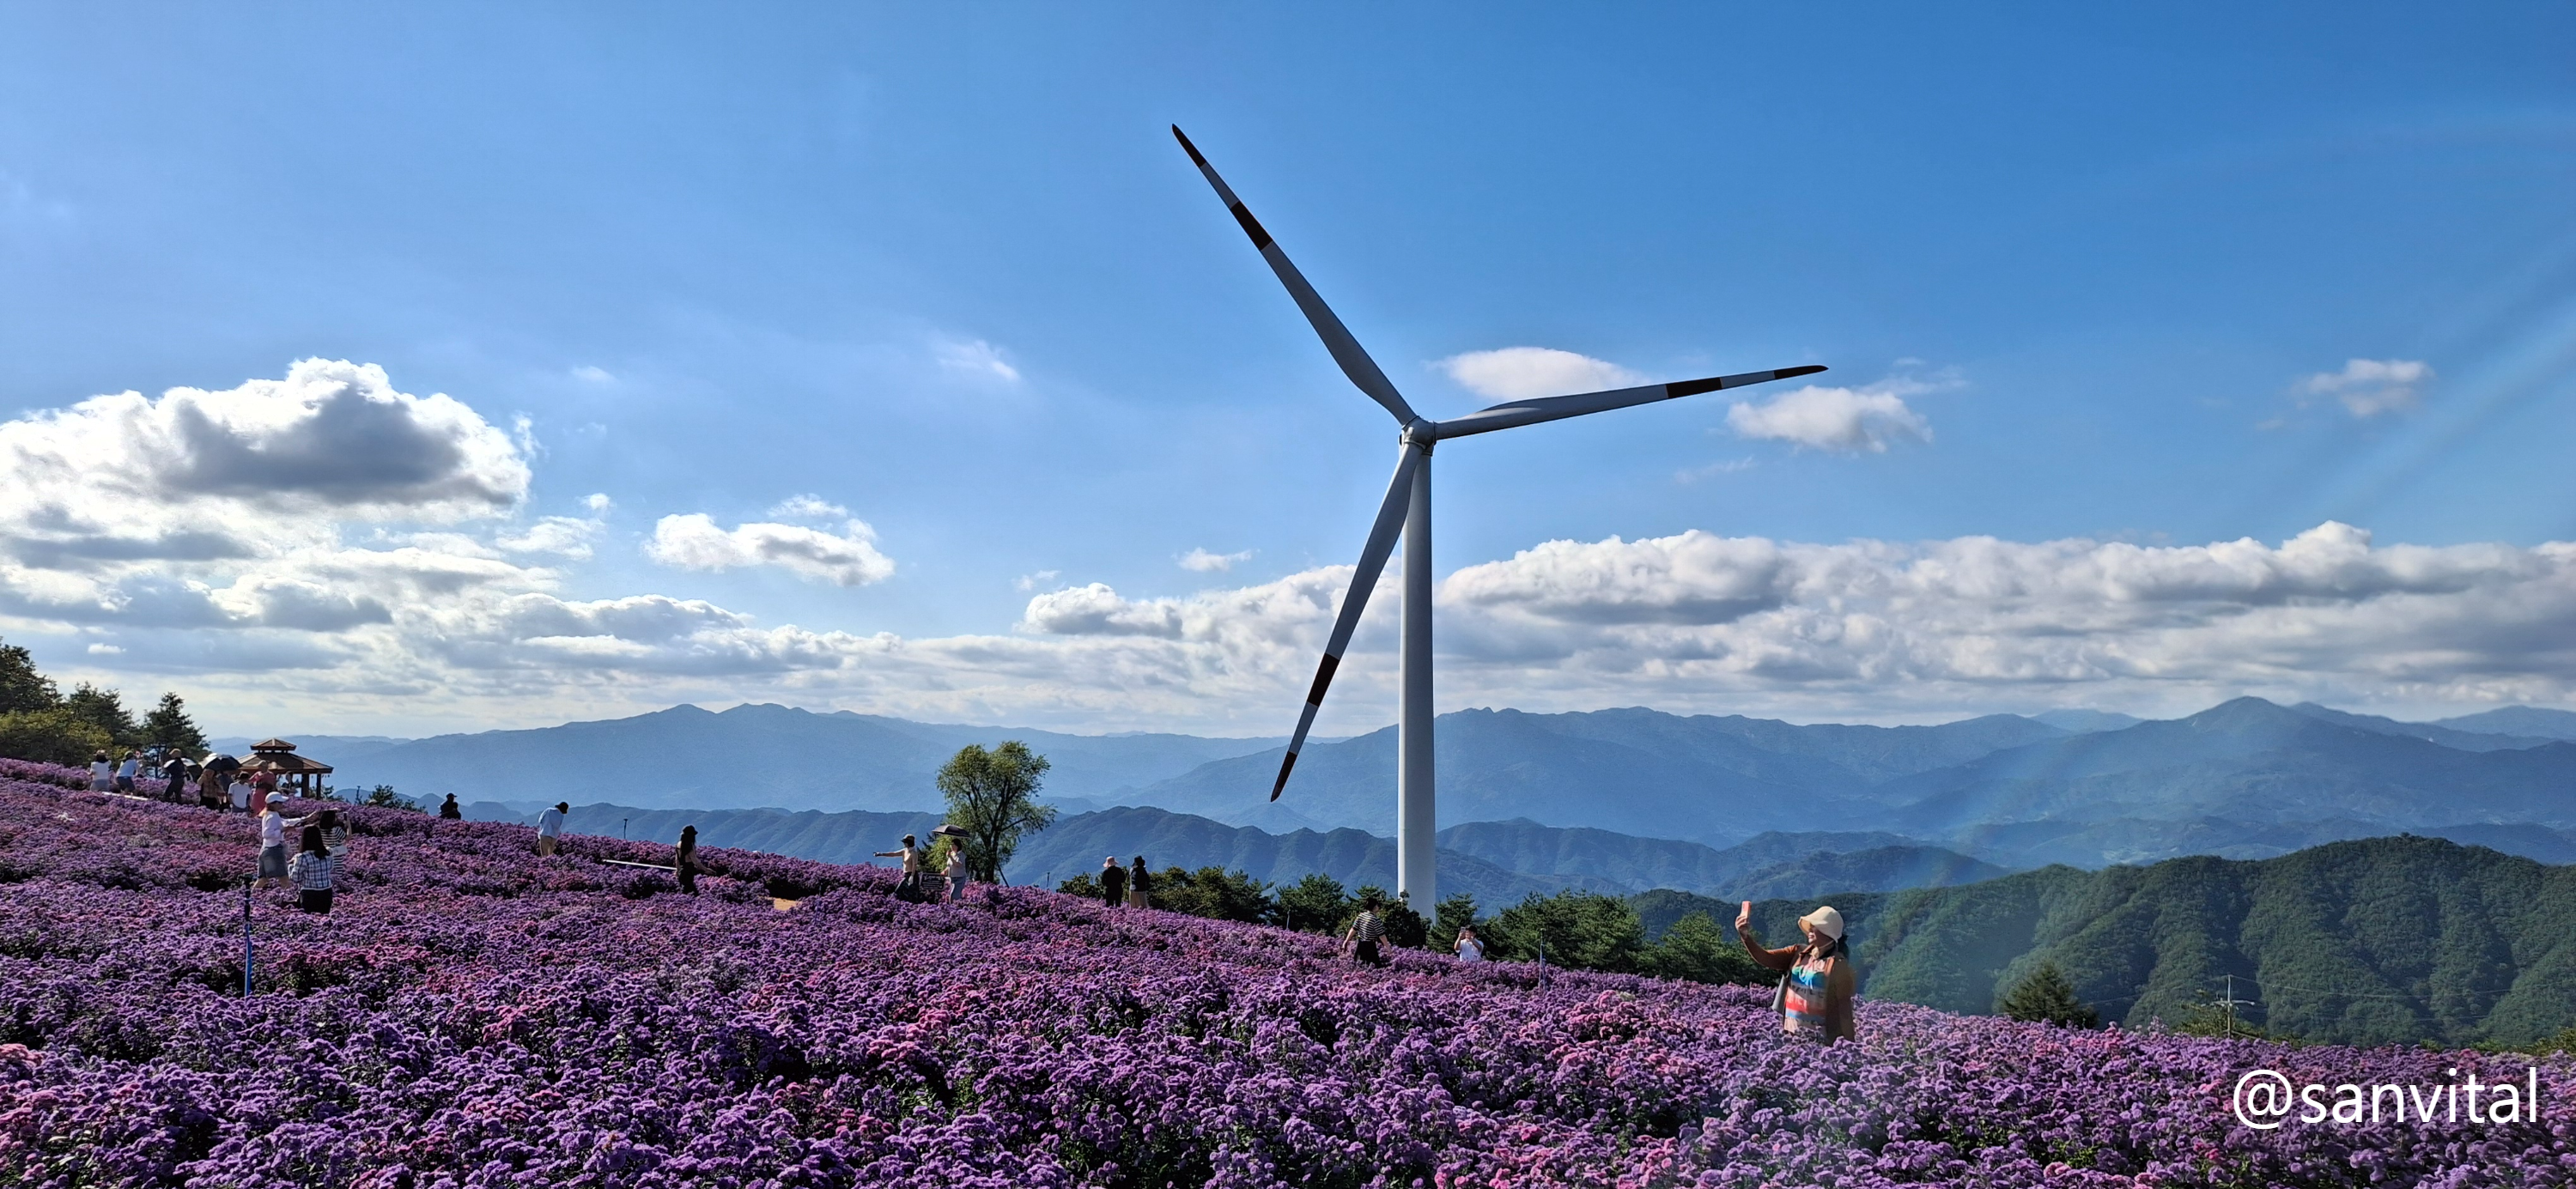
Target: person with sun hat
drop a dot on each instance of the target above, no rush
(1816, 979)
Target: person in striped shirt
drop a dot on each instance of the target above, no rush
(1817, 983)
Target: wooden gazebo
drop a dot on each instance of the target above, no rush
(300, 773)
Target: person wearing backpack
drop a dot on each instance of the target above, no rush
(1814, 997)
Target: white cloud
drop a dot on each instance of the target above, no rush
(693, 542)
(1522, 373)
(1200, 561)
(1028, 582)
(808, 507)
(590, 374)
(1842, 420)
(977, 358)
(2369, 387)
(104, 650)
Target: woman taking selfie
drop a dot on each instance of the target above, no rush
(1816, 989)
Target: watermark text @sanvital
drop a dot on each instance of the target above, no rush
(2267, 1098)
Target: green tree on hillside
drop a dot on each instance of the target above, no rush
(169, 726)
(992, 796)
(22, 688)
(53, 735)
(104, 709)
(1214, 893)
(1696, 949)
(2045, 996)
(1584, 930)
(1448, 917)
(1315, 904)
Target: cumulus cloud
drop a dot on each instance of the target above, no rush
(196, 475)
(1200, 561)
(847, 558)
(2369, 387)
(1522, 373)
(977, 358)
(1843, 420)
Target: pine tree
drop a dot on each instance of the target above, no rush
(103, 709)
(22, 688)
(169, 726)
(2046, 997)
(1315, 904)
(1448, 917)
(1696, 949)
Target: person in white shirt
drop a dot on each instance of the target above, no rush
(1467, 947)
(550, 828)
(125, 772)
(272, 845)
(102, 773)
(956, 873)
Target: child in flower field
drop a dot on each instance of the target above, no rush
(314, 871)
(1816, 991)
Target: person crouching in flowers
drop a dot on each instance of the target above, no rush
(1815, 997)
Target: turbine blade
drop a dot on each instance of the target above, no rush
(1557, 408)
(1381, 545)
(1355, 362)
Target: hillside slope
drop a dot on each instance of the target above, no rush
(2384, 941)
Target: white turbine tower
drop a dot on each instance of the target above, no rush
(1407, 512)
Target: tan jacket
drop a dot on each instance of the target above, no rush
(1839, 985)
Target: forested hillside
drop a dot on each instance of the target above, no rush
(2386, 940)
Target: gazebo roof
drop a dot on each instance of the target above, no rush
(284, 761)
(272, 745)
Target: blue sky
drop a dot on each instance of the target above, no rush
(943, 268)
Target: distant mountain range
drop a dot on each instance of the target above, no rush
(1497, 863)
(2246, 779)
(2384, 941)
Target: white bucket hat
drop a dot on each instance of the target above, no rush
(1826, 921)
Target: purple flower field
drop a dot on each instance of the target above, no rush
(471, 1015)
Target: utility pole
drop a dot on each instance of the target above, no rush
(246, 947)
(2231, 1003)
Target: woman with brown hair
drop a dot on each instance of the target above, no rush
(1816, 983)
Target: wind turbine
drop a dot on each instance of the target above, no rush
(1407, 512)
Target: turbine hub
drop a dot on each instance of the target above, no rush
(1419, 432)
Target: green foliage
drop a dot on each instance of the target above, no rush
(1583, 930)
(1697, 949)
(383, 796)
(2214, 1019)
(1212, 892)
(1315, 904)
(22, 688)
(2046, 996)
(105, 710)
(53, 735)
(992, 796)
(1448, 917)
(1405, 927)
(169, 726)
(1082, 885)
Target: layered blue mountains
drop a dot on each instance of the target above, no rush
(1611, 800)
